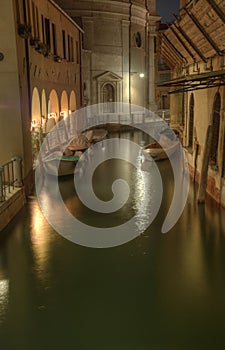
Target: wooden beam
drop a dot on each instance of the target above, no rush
(182, 42)
(195, 48)
(167, 57)
(217, 9)
(173, 47)
(204, 32)
(171, 53)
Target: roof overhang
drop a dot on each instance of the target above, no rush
(196, 35)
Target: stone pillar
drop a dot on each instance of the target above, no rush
(88, 51)
(125, 62)
(151, 70)
(2, 197)
(17, 167)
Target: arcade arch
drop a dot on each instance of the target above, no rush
(72, 102)
(35, 108)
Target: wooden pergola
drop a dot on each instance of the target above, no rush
(197, 35)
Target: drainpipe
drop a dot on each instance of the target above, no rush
(147, 56)
(27, 61)
(130, 4)
(81, 73)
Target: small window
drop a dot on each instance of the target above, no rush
(34, 20)
(43, 28)
(54, 39)
(77, 52)
(138, 39)
(108, 98)
(64, 43)
(69, 51)
(72, 50)
(47, 33)
(37, 23)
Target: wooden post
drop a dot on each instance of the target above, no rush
(196, 159)
(205, 164)
(2, 197)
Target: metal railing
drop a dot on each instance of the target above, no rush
(10, 177)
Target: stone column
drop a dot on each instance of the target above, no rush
(151, 69)
(125, 62)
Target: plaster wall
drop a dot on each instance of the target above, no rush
(10, 106)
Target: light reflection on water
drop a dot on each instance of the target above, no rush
(157, 292)
(4, 291)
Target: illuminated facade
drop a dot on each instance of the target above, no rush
(119, 45)
(194, 48)
(40, 74)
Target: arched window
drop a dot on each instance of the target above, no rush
(223, 170)
(215, 129)
(191, 122)
(108, 98)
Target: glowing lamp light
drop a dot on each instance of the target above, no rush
(141, 75)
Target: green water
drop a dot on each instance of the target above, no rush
(158, 292)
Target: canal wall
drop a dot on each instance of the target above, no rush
(12, 205)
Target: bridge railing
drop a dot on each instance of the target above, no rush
(10, 177)
(123, 118)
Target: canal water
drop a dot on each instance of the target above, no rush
(158, 291)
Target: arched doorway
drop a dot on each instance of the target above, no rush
(44, 111)
(108, 98)
(191, 122)
(43, 104)
(35, 109)
(53, 105)
(72, 103)
(64, 105)
(215, 129)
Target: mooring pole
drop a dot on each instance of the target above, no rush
(205, 164)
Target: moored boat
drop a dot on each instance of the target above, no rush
(81, 142)
(99, 135)
(154, 151)
(60, 165)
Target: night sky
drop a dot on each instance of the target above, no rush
(166, 8)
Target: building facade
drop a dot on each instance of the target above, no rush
(194, 47)
(40, 74)
(40, 71)
(118, 50)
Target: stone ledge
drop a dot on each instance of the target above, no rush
(11, 206)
